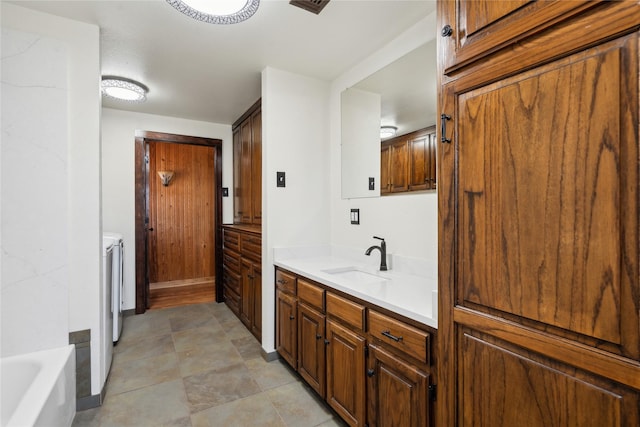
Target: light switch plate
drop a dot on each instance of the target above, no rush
(372, 183)
(225, 191)
(355, 216)
(280, 179)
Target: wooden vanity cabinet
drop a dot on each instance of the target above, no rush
(371, 367)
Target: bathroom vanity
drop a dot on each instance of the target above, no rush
(363, 339)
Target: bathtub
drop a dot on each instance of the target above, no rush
(38, 389)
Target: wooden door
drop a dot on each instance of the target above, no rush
(346, 373)
(286, 328)
(538, 201)
(181, 215)
(398, 391)
(311, 347)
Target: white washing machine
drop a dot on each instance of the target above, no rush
(117, 282)
(106, 315)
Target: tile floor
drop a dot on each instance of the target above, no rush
(198, 365)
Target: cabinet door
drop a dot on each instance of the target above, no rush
(346, 373)
(539, 219)
(479, 27)
(256, 167)
(246, 293)
(422, 155)
(399, 166)
(245, 172)
(237, 177)
(311, 347)
(286, 328)
(385, 175)
(256, 303)
(398, 391)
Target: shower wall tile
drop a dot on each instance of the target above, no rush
(34, 182)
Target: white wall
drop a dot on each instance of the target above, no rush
(294, 141)
(408, 222)
(72, 222)
(118, 179)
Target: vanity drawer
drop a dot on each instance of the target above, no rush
(251, 246)
(400, 335)
(231, 280)
(231, 240)
(231, 261)
(285, 281)
(232, 300)
(346, 311)
(311, 294)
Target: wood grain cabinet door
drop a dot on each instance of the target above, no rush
(540, 250)
(398, 391)
(246, 292)
(475, 28)
(346, 373)
(286, 328)
(311, 347)
(256, 302)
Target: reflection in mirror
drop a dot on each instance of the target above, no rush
(407, 100)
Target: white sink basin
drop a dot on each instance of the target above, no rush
(353, 274)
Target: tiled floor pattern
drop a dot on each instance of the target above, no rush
(198, 365)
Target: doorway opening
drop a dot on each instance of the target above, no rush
(177, 220)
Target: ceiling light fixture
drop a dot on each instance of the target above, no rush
(123, 89)
(387, 131)
(217, 12)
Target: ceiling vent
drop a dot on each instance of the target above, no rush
(314, 6)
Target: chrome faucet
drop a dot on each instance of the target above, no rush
(383, 253)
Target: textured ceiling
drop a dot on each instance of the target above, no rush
(211, 72)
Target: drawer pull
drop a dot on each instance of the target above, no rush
(291, 317)
(393, 337)
(282, 281)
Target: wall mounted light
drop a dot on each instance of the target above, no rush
(217, 12)
(123, 89)
(387, 131)
(166, 177)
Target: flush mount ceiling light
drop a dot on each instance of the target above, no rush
(218, 11)
(387, 131)
(123, 89)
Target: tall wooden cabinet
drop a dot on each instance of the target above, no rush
(242, 242)
(539, 213)
(247, 167)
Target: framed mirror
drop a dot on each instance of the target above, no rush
(403, 95)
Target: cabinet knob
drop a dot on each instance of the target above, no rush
(318, 336)
(291, 317)
(326, 342)
(446, 31)
(370, 373)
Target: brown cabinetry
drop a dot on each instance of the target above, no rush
(539, 214)
(247, 167)
(370, 366)
(408, 162)
(242, 275)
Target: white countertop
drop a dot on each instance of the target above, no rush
(413, 296)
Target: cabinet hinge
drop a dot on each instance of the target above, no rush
(433, 388)
(146, 159)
